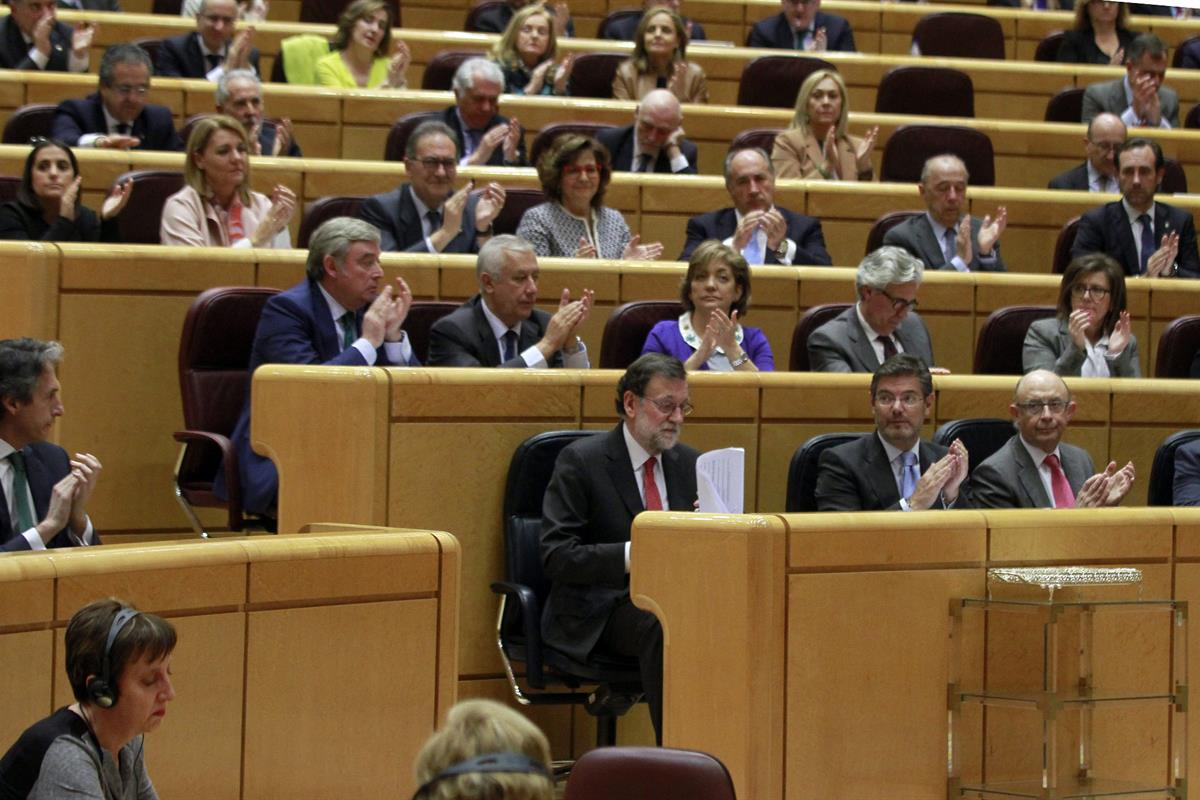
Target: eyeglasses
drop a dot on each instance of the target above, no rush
(432, 164)
(1032, 407)
(908, 399)
(590, 170)
(127, 90)
(899, 303)
(1096, 292)
(668, 407)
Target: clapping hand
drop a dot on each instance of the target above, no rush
(401, 58)
(636, 251)
(990, 230)
(82, 37)
(491, 202)
(117, 199)
(1162, 263)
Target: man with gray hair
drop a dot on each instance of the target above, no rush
(1138, 97)
(213, 49)
(879, 325)
(43, 492)
(499, 327)
(239, 95)
(487, 138)
(338, 316)
(654, 142)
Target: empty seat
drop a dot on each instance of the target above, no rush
(627, 327)
(29, 121)
(774, 81)
(615, 17)
(959, 34)
(1177, 348)
(1047, 49)
(1174, 180)
(517, 200)
(1063, 245)
(139, 221)
(472, 23)
(1066, 106)
(439, 72)
(1192, 120)
(326, 208)
(909, 146)
(593, 73)
(982, 436)
(930, 91)
(1002, 337)
(648, 773)
(421, 316)
(756, 137)
(808, 322)
(802, 471)
(546, 136)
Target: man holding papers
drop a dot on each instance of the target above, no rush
(599, 485)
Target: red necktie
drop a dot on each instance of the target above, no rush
(1063, 496)
(650, 488)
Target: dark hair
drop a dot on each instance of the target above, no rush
(904, 365)
(146, 635)
(702, 256)
(642, 371)
(1144, 44)
(1141, 141)
(641, 59)
(564, 151)
(122, 54)
(1080, 268)
(360, 9)
(430, 127)
(1083, 20)
(22, 362)
(25, 194)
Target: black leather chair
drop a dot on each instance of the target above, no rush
(1161, 489)
(959, 34)
(593, 73)
(523, 594)
(138, 222)
(774, 81)
(421, 316)
(756, 137)
(802, 471)
(1047, 49)
(982, 436)
(1192, 120)
(546, 136)
(439, 72)
(29, 121)
(151, 44)
(910, 146)
(1174, 179)
(808, 322)
(402, 128)
(1177, 348)
(326, 208)
(626, 329)
(1063, 245)
(1066, 106)
(1177, 58)
(648, 773)
(928, 91)
(517, 200)
(472, 23)
(884, 224)
(1002, 337)
(613, 17)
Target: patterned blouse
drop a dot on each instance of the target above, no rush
(554, 231)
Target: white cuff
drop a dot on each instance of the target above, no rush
(627, 546)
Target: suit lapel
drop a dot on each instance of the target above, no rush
(859, 343)
(882, 480)
(487, 342)
(620, 472)
(1027, 474)
(328, 338)
(40, 483)
(407, 223)
(929, 244)
(1119, 221)
(677, 494)
(6, 527)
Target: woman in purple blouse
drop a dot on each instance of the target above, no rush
(716, 295)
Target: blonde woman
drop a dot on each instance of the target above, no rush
(527, 51)
(817, 146)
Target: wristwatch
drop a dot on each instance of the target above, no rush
(782, 250)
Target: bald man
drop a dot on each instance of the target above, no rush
(1098, 173)
(654, 142)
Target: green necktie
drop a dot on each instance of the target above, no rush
(25, 519)
(349, 335)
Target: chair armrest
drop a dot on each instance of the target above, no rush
(531, 624)
(228, 460)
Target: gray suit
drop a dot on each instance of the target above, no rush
(840, 345)
(1048, 345)
(1009, 479)
(915, 235)
(1110, 96)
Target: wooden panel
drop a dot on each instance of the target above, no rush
(30, 655)
(29, 275)
(1078, 536)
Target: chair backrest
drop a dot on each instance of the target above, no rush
(328, 11)
(1063, 245)
(1066, 106)
(884, 224)
(626, 329)
(1192, 120)
(1161, 489)
(185, 132)
(1002, 338)
(613, 17)
(802, 471)
(960, 34)
(151, 44)
(931, 91)
(774, 81)
(546, 136)
(982, 436)
(139, 221)
(172, 7)
(278, 75)
(326, 208)
(910, 146)
(1181, 51)
(28, 121)
(648, 773)
(517, 200)
(1177, 348)
(472, 22)
(8, 188)
(421, 316)
(402, 128)
(1047, 49)
(1174, 178)
(809, 321)
(756, 137)
(439, 72)
(593, 73)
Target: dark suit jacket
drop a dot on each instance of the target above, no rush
(463, 338)
(1187, 475)
(395, 214)
(93, 5)
(586, 517)
(295, 328)
(1075, 178)
(266, 140)
(1110, 96)
(1190, 57)
(1079, 47)
(624, 29)
(450, 117)
(804, 231)
(1009, 479)
(776, 32)
(1106, 230)
(45, 465)
(841, 346)
(620, 141)
(14, 53)
(180, 57)
(915, 235)
(154, 126)
(857, 476)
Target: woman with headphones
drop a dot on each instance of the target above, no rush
(119, 668)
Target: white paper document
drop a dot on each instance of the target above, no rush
(720, 480)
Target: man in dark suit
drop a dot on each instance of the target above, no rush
(654, 142)
(31, 37)
(945, 236)
(1139, 98)
(426, 215)
(893, 469)
(496, 18)
(499, 327)
(599, 485)
(90, 5)
(43, 492)
(1098, 173)
(1123, 229)
(239, 95)
(118, 116)
(210, 50)
(754, 226)
(623, 30)
(337, 316)
(487, 138)
(801, 25)
(1035, 469)
(880, 324)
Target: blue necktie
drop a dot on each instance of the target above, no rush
(1147, 242)
(753, 250)
(908, 474)
(950, 245)
(510, 346)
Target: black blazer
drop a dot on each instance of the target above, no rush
(857, 476)
(586, 518)
(180, 57)
(463, 338)
(1075, 178)
(395, 214)
(450, 117)
(154, 126)
(45, 465)
(1106, 230)
(1079, 47)
(14, 53)
(623, 29)
(720, 225)
(19, 222)
(266, 141)
(776, 32)
(619, 142)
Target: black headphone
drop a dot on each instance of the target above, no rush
(492, 762)
(102, 691)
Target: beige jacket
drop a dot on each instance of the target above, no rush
(629, 85)
(188, 219)
(799, 156)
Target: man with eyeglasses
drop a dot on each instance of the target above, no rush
(801, 25)
(946, 236)
(426, 215)
(1035, 468)
(487, 138)
(893, 469)
(1147, 237)
(118, 116)
(32, 38)
(1098, 173)
(1139, 97)
(599, 485)
(654, 142)
(881, 324)
(239, 95)
(212, 49)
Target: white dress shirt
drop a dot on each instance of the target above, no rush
(532, 356)
(761, 235)
(637, 459)
(1043, 469)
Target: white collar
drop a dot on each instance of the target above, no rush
(1038, 454)
(692, 339)
(336, 309)
(1134, 214)
(494, 322)
(637, 453)
(894, 453)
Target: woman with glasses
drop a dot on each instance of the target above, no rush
(361, 55)
(659, 46)
(1099, 35)
(708, 334)
(817, 146)
(574, 222)
(47, 208)
(526, 53)
(1091, 335)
